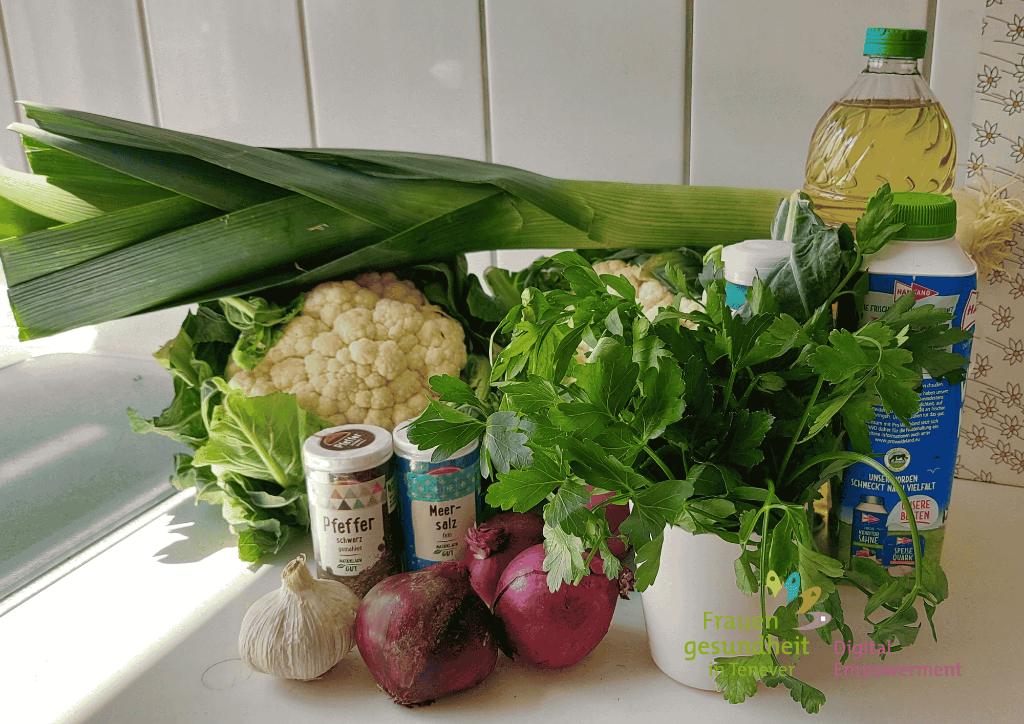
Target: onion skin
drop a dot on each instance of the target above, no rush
(425, 634)
(493, 545)
(552, 630)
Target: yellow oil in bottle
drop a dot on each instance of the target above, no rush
(859, 145)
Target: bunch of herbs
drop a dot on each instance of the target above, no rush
(728, 424)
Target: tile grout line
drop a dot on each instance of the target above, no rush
(486, 94)
(147, 60)
(10, 74)
(308, 70)
(687, 87)
(930, 21)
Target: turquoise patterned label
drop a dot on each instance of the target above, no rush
(439, 502)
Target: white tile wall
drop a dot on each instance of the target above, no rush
(230, 69)
(592, 89)
(397, 75)
(764, 73)
(85, 55)
(11, 154)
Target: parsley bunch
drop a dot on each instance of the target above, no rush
(728, 424)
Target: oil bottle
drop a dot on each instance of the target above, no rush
(887, 128)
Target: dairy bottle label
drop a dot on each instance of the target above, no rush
(922, 457)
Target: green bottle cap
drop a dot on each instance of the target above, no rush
(895, 42)
(926, 215)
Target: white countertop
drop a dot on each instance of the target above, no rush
(146, 632)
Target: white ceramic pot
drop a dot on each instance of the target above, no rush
(695, 584)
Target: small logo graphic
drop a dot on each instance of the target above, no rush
(901, 289)
(868, 518)
(970, 311)
(897, 459)
(775, 586)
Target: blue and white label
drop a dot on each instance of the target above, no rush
(922, 457)
(440, 502)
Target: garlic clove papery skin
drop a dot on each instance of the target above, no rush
(302, 629)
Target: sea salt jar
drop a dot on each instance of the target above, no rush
(353, 505)
(439, 501)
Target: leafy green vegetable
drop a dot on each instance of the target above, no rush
(336, 212)
(728, 426)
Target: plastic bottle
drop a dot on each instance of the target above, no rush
(888, 127)
(438, 501)
(745, 261)
(925, 261)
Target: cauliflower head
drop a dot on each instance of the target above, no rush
(650, 293)
(361, 351)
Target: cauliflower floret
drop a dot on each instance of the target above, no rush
(361, 351)
(398, 318)
(325, 301)
(306, 394)
(355, 324)
(288, 373)
(406, 385)
(390, 362)
(650, 293)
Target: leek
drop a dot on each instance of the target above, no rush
(156, 218)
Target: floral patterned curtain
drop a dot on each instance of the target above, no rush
(992, 424)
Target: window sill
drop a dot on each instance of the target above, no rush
(147, 631)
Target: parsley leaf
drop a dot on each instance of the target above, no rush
(505, 442)
(563, 561)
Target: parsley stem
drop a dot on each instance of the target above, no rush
(660, 462)
(841, 287)
(750, 388)
(728, 388)
(799, 430)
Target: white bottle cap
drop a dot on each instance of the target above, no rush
(753, 258)
(408, 450)
(347, 448)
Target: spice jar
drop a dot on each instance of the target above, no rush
(353, 505)
(439, 501)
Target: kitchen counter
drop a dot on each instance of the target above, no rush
(146, 632)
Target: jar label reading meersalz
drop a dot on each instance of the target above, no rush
(921, 457)
(439, 528)
(348, 523)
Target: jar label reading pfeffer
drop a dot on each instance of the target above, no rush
(348, 524)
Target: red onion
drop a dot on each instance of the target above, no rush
(554, 630)
(493, 545)
(425, 634)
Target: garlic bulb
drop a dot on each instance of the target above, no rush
(302, 629)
